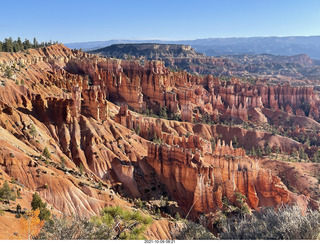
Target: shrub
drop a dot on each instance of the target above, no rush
(75, 228)
(287, 223)
(193, 231)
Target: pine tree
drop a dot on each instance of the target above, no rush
(8, 45)
(33, 131)
(163, 112)
(7, 193)
(46, 153)
(259, 152)
(315, 158)
(213, 143)
(8, 72)
(35, 43)
(62, 161)
(302, 154)
(18, 211)
(138, 130)
(253, 151)
(235, 142)
(38, 204)
(19, 44)
(26, 44)
(268, 150)
(294, 153)
(81, 168)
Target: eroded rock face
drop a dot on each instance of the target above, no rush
(201, 183)
(68, 96)
(151, 85)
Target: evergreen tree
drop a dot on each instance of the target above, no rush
(35, 43)
(19, 44)
(62, 161)
(130, 225)
(294, 153)
(38, 204)
(46, 153)
(253, 151)
(315, 158)
(8, 72)
(33, 131)
(235, 142)
(8, 45)
(213, 143)
(163, 112)
(18, 211)
(302, 154)
(138, 130)
(26, 44)
(268, 150)
(81, 168)
(6, 193)
(259, 152)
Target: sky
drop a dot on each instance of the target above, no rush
(100, 20)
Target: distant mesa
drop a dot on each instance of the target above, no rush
(148, 50)
(175, 56)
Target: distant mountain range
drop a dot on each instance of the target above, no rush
(292, 45)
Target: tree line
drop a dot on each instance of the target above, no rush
(10, 45)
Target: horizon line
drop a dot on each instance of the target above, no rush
(159, 39)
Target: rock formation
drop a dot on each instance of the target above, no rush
(100, 152)
(201, 183)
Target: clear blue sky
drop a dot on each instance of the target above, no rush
(94, 20)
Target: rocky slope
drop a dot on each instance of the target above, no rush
(103, 154)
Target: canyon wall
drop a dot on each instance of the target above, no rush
(70, 97)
